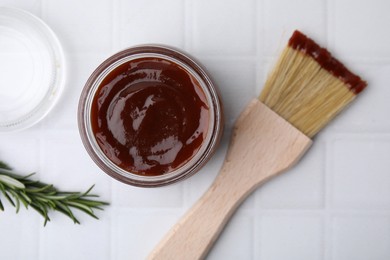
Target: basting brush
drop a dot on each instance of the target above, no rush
(304, 92)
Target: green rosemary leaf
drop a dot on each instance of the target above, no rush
(34, 184)
(73, 196)
(24, 197)
(43, 208)
(80, 206)
(3, 165)
(91, 203)
(15, 196)
(3, 190)
(51, 204)
(86, 193)
(17, 205)
(41, 199)
(66, 210)
(11, 182)
(25, 200)
(38, 209)
(28, 176)
(44, 197)
(59, 196)
(40, 189)
(9, 198)
(91, 196)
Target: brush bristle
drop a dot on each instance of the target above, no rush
(308, 87)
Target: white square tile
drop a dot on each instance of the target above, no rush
(21, 151)
(358, 28)
(81, 25)
(19, 233)
(282, 17)
(135, 234)
(235, 241)
(62, 239)
(235, 80)
(67, 165)
(224, 27)
(299, 187)
(80, 67)
(371, 108)
(361, 238)
(128, 196)
(151, 21)
(261, 76)
(360, 172)
(290, 237)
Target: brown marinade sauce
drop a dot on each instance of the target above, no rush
(149, 116)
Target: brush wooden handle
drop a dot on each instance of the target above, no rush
(263, 145)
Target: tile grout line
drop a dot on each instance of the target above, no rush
(327, 172)
(326, 23)
(115, 20)
(225, 57)
(185, 196)
(290, 211)
(259, 64)
(381, 130)
(40, 253)
(113, 25)
(329, 237)
(40, 168)
(187, 18)
(328, 182)
(329, 18)
(186, 43)
(41, 9)
(256, 237)
(323, 238)
(364, 135)
(253, 235)
(373, 61)
(40, 157)
(114, 46)
(112, 229)
(260, 60)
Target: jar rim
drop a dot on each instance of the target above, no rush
(190, 66)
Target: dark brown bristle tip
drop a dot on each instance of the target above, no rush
(323, 57)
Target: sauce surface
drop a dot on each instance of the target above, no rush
(149, 116)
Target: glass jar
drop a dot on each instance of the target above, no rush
(208, 145)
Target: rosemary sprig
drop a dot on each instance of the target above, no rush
(44, 197)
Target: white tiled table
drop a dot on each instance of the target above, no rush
(334, 205)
